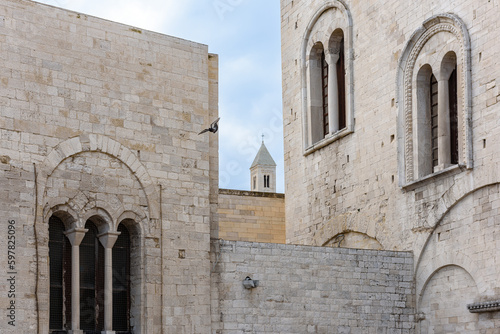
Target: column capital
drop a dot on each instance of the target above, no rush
(108, 239)
(76, 235)
(331, 56)
(444, 74)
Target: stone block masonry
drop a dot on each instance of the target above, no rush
(304, 289)
(99, 123)
(251, 216)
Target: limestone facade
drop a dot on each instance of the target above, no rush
(378, 180)
(251, 216)
(304, 289)
(99, 130)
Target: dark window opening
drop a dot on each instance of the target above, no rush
(266, 181)
(60, 277)
(434, 119)
(324, 85)
(452, 86)
(341, 86)
(121, 282)
(91, 282)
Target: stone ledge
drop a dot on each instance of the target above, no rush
(250, 193)
(330, 138)
(451, 170)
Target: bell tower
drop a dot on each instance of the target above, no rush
(263, 171)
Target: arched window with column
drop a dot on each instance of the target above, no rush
(83, 305)
(451, 59)
(436, 119)
(425, 121)
(327, 70)
(434, 101)
(318, 93)
(327, 103)
(121, 282)
(336, 61)
(91, 281)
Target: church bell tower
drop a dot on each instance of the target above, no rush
(263, 171)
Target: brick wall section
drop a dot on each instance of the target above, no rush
(305, 289)
(251, 216)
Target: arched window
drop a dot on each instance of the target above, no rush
(318, 92)
(336, 59)
(121, 282)
(91, 281)
(327, 77)
(60, 277)
(453, 110)
(88, 295)
(324, 92)
(267, 182)
(433, 95)
(434, 100)
(436, 118)
(327, 114)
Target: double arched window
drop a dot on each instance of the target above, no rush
(436, 118)
(267, 183)
(327, 70)
(434, 101)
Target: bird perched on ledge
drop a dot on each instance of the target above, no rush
(213, 127)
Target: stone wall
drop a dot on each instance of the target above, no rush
(305, 289)
(458, 267)
(251, 216)
(99, 121)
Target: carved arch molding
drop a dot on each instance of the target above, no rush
(443, 23)
(103, 145)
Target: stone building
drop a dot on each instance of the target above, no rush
(107, 190)
(391, 130)
(110, 198)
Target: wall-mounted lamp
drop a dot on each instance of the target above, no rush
(249, 283)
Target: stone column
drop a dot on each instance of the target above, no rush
(444, 145)
(75, 237)
(333, 92)
(108, 240)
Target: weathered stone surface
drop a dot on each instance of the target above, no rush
(251, 216)
(353, 185)
(311, 289)
(79, 98)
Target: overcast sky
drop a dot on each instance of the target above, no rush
(246, 36)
